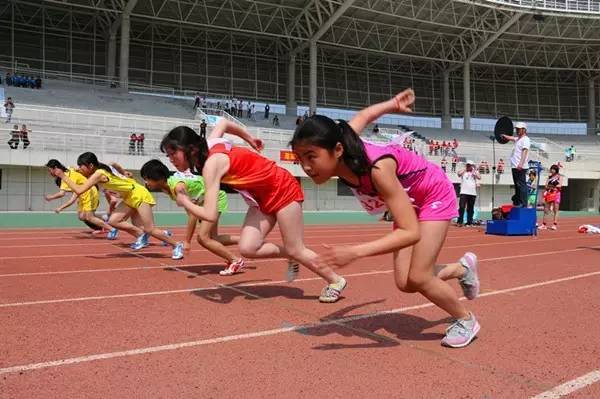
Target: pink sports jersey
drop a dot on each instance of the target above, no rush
(429, 189)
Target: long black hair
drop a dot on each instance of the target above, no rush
(324, 132)
(55, 163)
(555, 168)
(88, 158)
(186, 139)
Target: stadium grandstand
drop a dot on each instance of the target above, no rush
(112, 68)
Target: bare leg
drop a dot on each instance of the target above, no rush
(224, 239)
(118, 220)
(206, 238)
(252, 239)
(291, 225)
(414, 270)
(144, 212)
(95, 220)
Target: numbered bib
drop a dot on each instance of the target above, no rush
(373, 205)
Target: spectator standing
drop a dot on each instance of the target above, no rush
(376, 129)
(140, 141)
(299, 121)
(9, 106)
(572, 153)
(267, 109)
(454, 146)
(203, 129)
(444, 164)
(454, 161)
(240, 109)
(24, 133)
(431, 147)
(500, 167)
(468, 193)
(13, 142)
(132, 143)
(276, 120)
(38, 83)
(552, 197)
(197, 101)
(518, 159)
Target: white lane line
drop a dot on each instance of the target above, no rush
(141, 294)
(107, 243)
(570, 386)
(204, 250)
(263, 333)
(179, 291)
(133, 254)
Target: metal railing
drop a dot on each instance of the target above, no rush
(96, 121)
(41, 140)
(576, 6)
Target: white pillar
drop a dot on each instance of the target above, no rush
(312, 85)
(124, 60)
(446, 119)
(467, 96)
(291, 106)
(591, 122)
(111, 56)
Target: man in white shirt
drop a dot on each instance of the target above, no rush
(468, 192)
(519, 164)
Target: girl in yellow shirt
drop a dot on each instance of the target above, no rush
(87, 203)
(136, 200)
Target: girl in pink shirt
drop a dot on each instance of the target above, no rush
(419, 196)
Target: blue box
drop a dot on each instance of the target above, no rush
(520, 222)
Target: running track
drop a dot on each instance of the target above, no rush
(83, 317)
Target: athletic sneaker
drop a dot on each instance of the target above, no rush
(554, 227)
(113, 234)
(461, 332)
(98, 232)
(233, 268)
(292, 270)
(332, 292)
(178, 251)
(470, 281)
(141, 242)
(543, 227)
(168, 234)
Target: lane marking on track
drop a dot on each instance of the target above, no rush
(174, 266)
(570, 386)
(133, 254)
(263, 333)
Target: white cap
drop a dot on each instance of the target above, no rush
(469, 162)
(520, 125)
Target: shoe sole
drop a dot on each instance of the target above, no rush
(333, 300)
(142, 247)
(227, 271)
(292, 273)
(477, 329)
(475, 269)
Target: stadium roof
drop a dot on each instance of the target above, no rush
(556, 35)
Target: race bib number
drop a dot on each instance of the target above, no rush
(373, 205)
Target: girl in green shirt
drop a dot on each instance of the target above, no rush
(185, 187)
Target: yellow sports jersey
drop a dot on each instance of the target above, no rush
(132, 193)
(87, 201)
(74, 175)
(117, 182)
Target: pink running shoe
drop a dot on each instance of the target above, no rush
(461, 332)
(233, 268)
(470, 281)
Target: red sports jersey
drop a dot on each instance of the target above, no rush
(258, 179)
